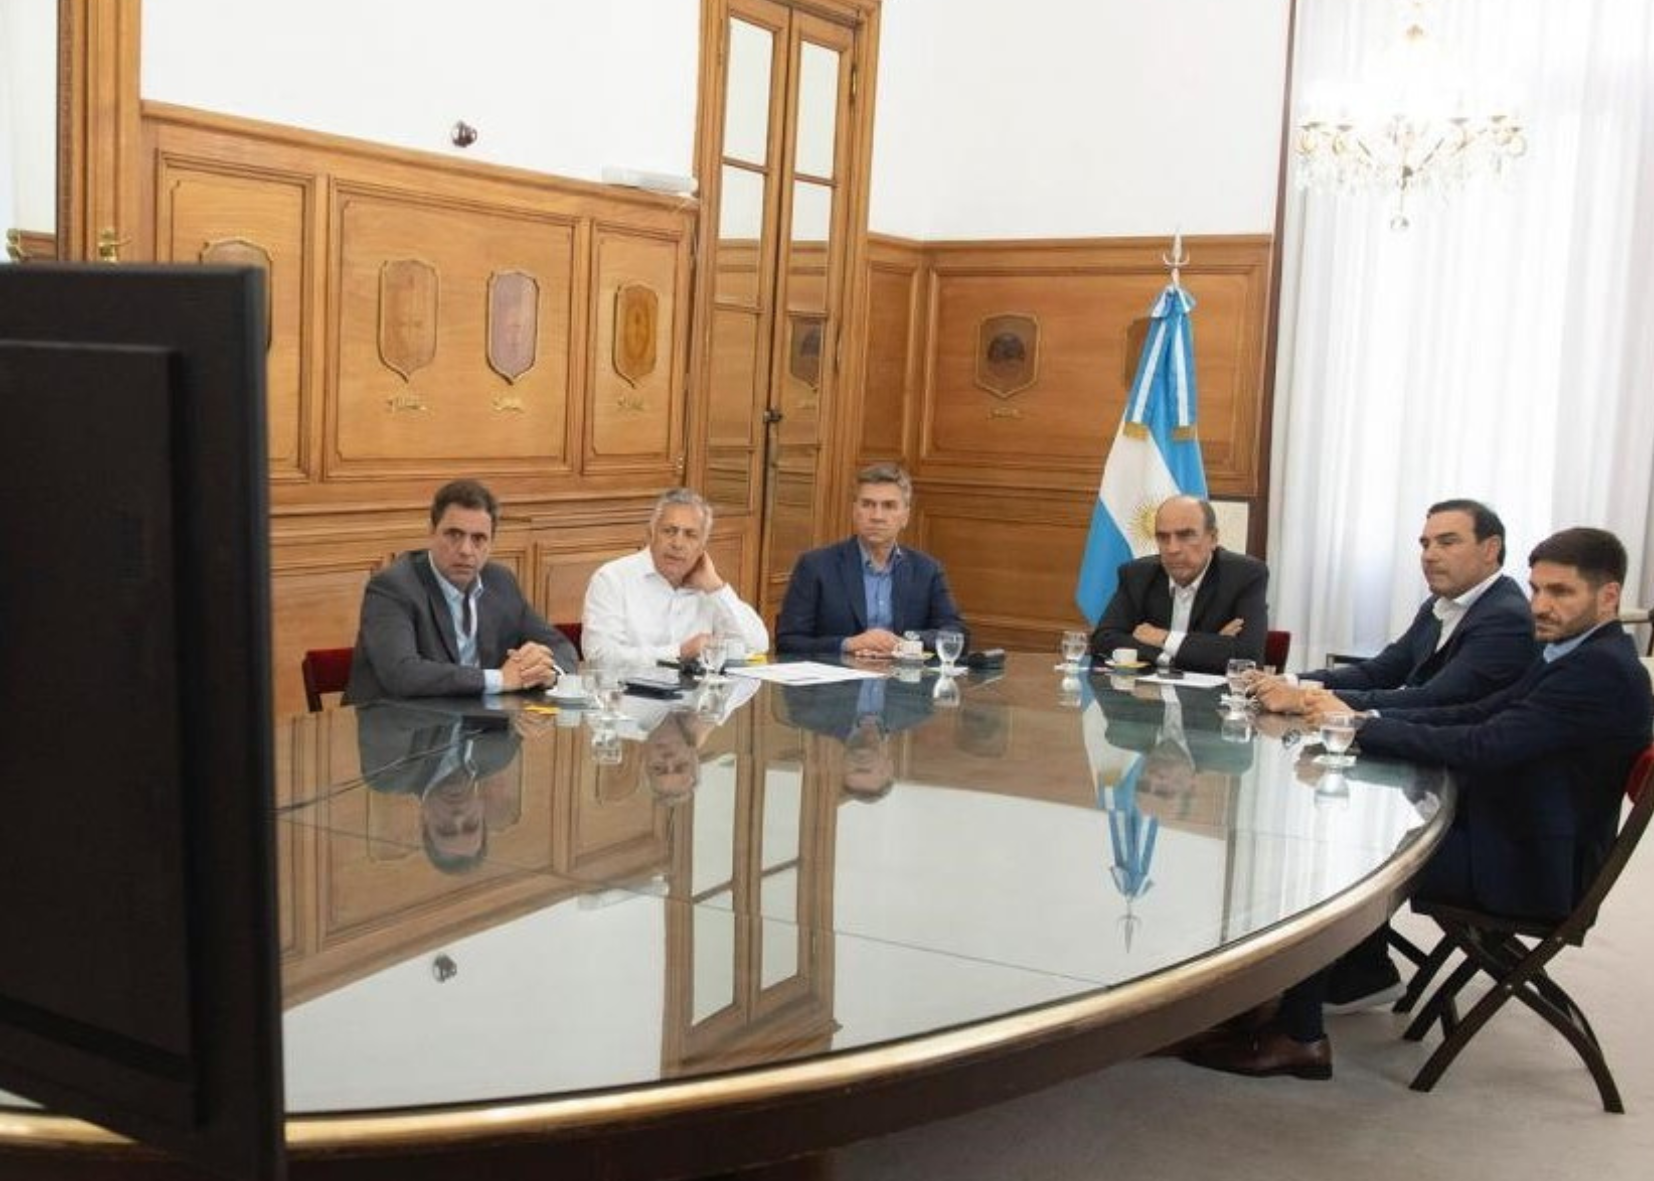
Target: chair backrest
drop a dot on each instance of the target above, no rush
(1641, 795)
(1276, 646)
(572, 631)
(325, 670)
(1634, 617)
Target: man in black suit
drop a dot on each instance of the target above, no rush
(1196, 606)
(445, 621)
(1541, 767)
(1472, 636)
(858, 597)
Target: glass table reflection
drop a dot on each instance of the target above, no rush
(498, 920)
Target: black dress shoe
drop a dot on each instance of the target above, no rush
(1264, 1052)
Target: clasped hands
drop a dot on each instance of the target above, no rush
(528, 667)
(1312, 701)
(876, 643)
(1148, 633)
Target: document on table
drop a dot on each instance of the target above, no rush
(1193, 680)
(804, 672)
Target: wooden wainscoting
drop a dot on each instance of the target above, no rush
(431, 318)
(1006, 462)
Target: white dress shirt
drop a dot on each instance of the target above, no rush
(1183, 606)
(1450, 611)
(635, 616)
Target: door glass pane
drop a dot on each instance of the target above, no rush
(747, 102)
(713, 974)
(713, 856)
(740, 236)
(818, 83)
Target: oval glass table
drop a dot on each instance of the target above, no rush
(775, 916)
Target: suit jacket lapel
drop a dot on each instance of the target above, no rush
(1204, 596)
(855, 593)
(441, 618)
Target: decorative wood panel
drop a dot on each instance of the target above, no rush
(437, 403)
(894, 335)
(260, 217)
(636, 420)
(1091, 301)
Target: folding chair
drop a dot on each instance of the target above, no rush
(325, 670)
(1514, 952)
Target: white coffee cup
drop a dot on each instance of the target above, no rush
(1123, 656)
(569, 685)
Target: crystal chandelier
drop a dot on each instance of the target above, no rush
(1406, 129)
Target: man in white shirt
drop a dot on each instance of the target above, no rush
(664, 601)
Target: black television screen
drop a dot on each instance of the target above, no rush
(138, 962)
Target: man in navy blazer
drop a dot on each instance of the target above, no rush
(1472, 636)
(447, 622)
(857, 597)
(1541, 767)
(1196, 606)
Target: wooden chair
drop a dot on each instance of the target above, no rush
(1634, 617)
(325, 670)
(1514, 952)
(1276, 646)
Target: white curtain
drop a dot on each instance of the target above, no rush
(1502, 348)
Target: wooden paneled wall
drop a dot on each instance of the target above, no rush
(431, 318)
(1006, 477)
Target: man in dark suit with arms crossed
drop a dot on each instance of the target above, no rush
(1541, 767)
(1196, 606)
(445, 621)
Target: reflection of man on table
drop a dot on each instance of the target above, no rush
(447, 622)
(862, 714)
(1196, 606)
(448, 763)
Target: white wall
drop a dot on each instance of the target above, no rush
(28, 114)
(1048, 118)
(1078, 118)
(559, 86)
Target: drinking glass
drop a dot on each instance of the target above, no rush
(1238, 673)
(949, 646)
(1337, 733)
(608, 684)
(946, 693)
(713, 654)
(1074, 644)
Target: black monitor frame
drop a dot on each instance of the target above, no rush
(136, 727)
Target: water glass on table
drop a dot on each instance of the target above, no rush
(1337, 734)
(950, 645)
(1238, 673)
(713, 655)
(1074, 644)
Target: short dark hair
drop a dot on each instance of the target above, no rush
(1596, 553)
(471, 494)
(1484, 520)
(887, 473)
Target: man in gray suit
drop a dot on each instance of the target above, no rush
(445, 621)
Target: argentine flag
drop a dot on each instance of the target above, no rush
(1155, 453)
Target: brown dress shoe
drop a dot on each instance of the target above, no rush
(1264, 1052)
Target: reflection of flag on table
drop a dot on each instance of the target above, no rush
(1155, 453)
(1130, 833)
